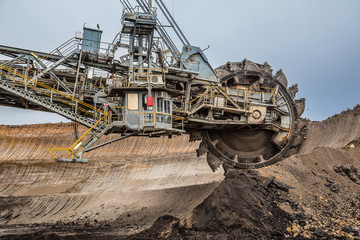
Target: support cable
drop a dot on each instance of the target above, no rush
(172, 21)
(161, 31)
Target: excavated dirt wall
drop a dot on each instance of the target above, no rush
(133, 182)
(138, 183)
(335, 132)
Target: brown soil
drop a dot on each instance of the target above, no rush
(157, 189)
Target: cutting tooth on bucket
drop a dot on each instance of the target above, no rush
(213, 161)
(202, 150)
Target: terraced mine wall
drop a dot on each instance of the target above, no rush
(144, 188)
(138, 178)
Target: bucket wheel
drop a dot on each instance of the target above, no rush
(252, 146)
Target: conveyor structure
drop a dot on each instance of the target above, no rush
(244, 115)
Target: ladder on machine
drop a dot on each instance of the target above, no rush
(43, 95)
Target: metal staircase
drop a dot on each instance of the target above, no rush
(46, 103)
(62, 53)
(12, 84)
(86, 141)
(98, 121)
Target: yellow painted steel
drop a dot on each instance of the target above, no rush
(72, 146)
(205, 93)
(34, 55)
(143, 117)
(71, 149)
(51, 89)
(47, 94)
(174, 117)
(213, 92)
(154, 115)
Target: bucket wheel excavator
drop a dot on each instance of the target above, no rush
(271, 119)
(244, 115)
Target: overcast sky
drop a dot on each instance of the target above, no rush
(316, 43)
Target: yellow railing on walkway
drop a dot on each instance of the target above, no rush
(78, 143)
(51, 90)
(154, 113)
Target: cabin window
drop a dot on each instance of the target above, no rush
(160, 107)
(167, 106)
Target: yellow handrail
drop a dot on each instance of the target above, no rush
(167, 114)
(48, 94)
(69, 151)
(154, 115)
(73, 147)
(214, 92)
(207, 90)
(89, 130)
(51, 89)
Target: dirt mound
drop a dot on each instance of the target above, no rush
(350, 171)
(243, 206)
(311, 195)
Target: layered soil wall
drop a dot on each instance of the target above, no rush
(137, 183)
